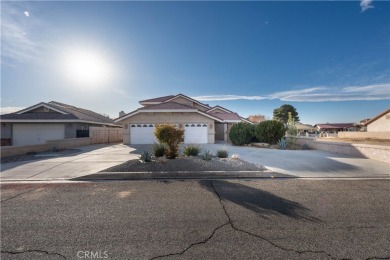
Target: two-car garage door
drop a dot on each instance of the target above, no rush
(144, 133)
(29, 134)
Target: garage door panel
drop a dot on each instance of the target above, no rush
(195, 133)
(30, 134)
(142, 134)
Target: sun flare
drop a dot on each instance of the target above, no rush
(86, 68)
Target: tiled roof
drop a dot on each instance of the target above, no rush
(159, 99)
(226, 116)
(38, 116)
(72, 113)
(219, 107)
(335, 125)
(377, 117)
(169, 106)
(81, 113)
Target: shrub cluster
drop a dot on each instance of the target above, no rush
(222, 154)
(270, 131)
(241, 133)
(191, 149)
(168, 134)
(159, 149)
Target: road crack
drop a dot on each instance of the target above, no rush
(32, 251)
(22, 193)
(263, 238)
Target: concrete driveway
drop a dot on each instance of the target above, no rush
(308, 163)
(90, 159)
(94, 158)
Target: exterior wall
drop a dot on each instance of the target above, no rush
(364, 135)
(382, 124)
(375, 152)
(170, 118)
(229, 126)
(60, 144)
(6, 130)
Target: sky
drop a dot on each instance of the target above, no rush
(330, 60)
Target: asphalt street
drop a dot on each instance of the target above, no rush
(219, 219)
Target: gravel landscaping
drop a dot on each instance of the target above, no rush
(184, 163)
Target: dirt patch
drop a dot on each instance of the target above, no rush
(190, 163)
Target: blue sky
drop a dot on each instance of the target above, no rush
(331, 60)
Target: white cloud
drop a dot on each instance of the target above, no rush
(26, 13)
(7, 110)
(316, 94)
(366, 4)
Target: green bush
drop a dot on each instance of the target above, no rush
(207, 155)
(171, 136)
(146, 156)
(159, 149)
(222, 154)
(241, 133)
(270, 131)
(191, 149)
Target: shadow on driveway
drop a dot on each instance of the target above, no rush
(261, 202)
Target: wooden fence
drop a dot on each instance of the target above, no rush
(105, 135)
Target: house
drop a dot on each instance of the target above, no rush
(335, 127)
(256, 119)
(304, 128)
(49, 121)
(202, 123)
(380, 123)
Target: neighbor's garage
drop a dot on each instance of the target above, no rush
(144, 133)
(30, 134)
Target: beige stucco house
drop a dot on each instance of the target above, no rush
(200, 122)
(380, 123)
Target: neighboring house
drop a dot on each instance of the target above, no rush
(202, 123)
(256, 119)
(49, 121)
(380, 123)
(305, 128)
(335, 127)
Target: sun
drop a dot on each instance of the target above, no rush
(87, 68)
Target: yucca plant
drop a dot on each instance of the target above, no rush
(191, 149)
(282, 144)
(207, 155)
(146, 156)
(222, 154)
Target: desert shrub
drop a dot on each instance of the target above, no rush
(159, 149)
(192, 149)
(171, 136)
(305, 147)
(222, 154)
(207, 155)
(241, 133)
(146, 156)
(282, 144)
(270, 131)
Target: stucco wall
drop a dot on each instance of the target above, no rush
(382, 124)
(6, 130)
(376, 152)
(63, 143)
(170, 118)
(365, 135)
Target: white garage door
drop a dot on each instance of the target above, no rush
(142, 134)
(195, 133)
(29, 134)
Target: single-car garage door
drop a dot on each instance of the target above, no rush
(142, 134)
(30, 134)
(195, 133)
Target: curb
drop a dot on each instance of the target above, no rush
(181, 175)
